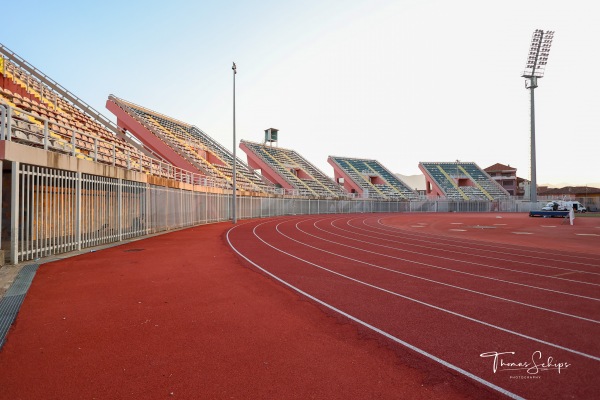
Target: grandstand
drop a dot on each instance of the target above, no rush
(41, 113)
(369, 179)
(290, 171)
(73, 179)
(185, 145)
(460, 181)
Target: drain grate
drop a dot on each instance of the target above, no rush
(13, 298)
(132, 250)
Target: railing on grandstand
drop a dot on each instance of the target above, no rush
(56, 87)
(3, 124)
(80, 144)
(19, 66)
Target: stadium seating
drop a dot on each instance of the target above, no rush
(291, 171)
(460, 181)
(199, 149)
(40, 113)
(372, 178)
(42, 117)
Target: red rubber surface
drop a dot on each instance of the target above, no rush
(184, 318)
(454, 286)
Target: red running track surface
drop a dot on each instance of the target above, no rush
(179, 316)
(454, 292)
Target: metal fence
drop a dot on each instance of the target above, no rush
(55, 211)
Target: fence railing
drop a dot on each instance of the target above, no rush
(55, 211)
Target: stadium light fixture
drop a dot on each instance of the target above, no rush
(234, 199)
(534, 69)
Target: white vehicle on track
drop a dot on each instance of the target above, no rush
(561, 205)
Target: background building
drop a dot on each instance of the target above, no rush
(505, 176)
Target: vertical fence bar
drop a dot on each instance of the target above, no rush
(39, 226)
(14, 213)
(24, 231)
(32, 183)
(78, 219)
(52, 209)
(44, 216)
(120, 209)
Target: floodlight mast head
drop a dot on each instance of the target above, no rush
(541, 41)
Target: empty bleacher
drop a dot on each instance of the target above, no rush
(460, 181)
(293, 171)
(40, 113)
(195, 146)
(372, 178)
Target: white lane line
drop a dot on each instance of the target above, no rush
(457, 252)
(429, 247)
(377, 330)
(522, 233)
(427, 304)
(587, 234)
(427, 239)
(417, 226)
(422, 235)
(456, 223)
(457, 230)
(442, 268)
(500, 224)
(548, 226)
(417, 276)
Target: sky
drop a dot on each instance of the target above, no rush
(399, 81)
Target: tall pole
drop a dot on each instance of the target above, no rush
(234, 217)
(534, 69)
(533, 184)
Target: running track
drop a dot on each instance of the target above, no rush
(441, 299)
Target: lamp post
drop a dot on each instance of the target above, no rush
(233, 212)
(534, 69)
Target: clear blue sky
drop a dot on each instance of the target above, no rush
(398, 81)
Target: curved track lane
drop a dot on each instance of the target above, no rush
(449, 299)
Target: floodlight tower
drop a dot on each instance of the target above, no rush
(234, 197)
(534, 69)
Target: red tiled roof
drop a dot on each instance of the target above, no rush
(499, 167)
